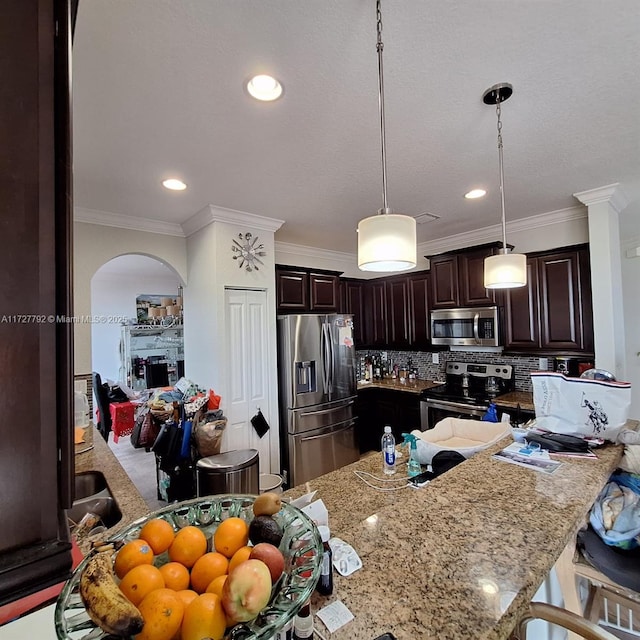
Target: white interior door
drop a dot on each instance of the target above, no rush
(248, 375)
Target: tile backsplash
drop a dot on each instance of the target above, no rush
(423, 360)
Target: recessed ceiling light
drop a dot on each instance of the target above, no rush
(264, 88)
(475, 193)
(174, 184)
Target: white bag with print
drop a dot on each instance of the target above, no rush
(579, 406)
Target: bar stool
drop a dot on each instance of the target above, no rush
(562, 618)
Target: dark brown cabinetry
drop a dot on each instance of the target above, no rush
(375, 313)
(457, 279)
(36, 474)
(301, 290)
(553, 312)
(379, 407)
(352, 301)
(398, 312)
(420, 305)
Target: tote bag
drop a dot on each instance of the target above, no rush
(580, 406)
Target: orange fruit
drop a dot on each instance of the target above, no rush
(215, 586)
(187, 596)
(162, 611)
(239, 556)
(207, 568)
(230, 535)
(140, 581)
(176, 576)
(131, 555)
(188, 545)
(158, 533)
(204, 618)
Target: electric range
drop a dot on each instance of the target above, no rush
(467, 393)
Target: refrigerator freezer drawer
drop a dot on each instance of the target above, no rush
(318, 452)
(319, 416)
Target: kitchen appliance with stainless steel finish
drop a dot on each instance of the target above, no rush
(466, 327)
(317, 393)
(468, 390)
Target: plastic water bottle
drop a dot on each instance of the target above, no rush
(388, 451)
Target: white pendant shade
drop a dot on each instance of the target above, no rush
(387, 242)
(505, 271)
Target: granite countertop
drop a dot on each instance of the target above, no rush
(515, 398)
(410, 386)
(99, 457)
(461, 557)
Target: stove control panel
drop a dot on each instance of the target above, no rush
(486, 370)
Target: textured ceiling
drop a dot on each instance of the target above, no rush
(158, 92)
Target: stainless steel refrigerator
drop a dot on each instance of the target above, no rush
(317, 391)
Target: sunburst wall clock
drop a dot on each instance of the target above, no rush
(248, 252)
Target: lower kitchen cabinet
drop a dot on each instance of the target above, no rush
(379, 407)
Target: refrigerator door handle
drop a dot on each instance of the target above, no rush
(330, 434)
(323, 411)
(326, 359)
(332, 356)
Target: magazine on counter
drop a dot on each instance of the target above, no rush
(524, 456)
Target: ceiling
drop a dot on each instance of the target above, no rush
(158, 92)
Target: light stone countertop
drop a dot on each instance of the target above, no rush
(461, 557)
(409, 386)
(101, 458)
(515, 398)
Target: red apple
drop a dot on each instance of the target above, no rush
(246, 591)
(271, 556)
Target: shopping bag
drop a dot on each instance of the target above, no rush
(580, 406)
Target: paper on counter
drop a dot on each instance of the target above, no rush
(335, 615)
(304, 500)
(318, 512)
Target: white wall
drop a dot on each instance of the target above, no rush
(93, 246)
(116, 295)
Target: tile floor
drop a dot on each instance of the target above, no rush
(140, 466)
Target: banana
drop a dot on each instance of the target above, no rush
(106, 605)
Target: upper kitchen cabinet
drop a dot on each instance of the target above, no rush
(457, 279)
(352, 301)
(375, 313)
(553, 313)
(302, 290)
(420, 304)
(398, 312)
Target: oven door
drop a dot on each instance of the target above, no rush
(432, 411)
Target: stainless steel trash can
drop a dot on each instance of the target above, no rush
(230, 472)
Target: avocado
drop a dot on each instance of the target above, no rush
(265, 529)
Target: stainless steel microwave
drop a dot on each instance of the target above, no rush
(468, 327)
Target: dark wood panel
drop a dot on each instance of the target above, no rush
(354, 304)
(292, 290)
(444, 282)
(324, 292)
(375, 320)
(522, 312)
(420, 305)
(559, 300)
(471, 271)
(36, 351)
(397, 299)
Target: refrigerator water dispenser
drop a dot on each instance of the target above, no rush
(306, 376)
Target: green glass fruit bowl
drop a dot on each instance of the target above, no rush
(301, 546)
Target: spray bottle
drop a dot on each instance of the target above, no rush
(491, 415)
(413, 466)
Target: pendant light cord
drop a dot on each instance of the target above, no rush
(383, 143)
(501, 163)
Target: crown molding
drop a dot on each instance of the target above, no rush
(611, 193)
(490, 234)
(109, 219)
(212, 213)
(287, 248)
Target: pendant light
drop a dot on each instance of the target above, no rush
(386, 241)
(505, 270)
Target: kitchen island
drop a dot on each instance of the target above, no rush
(461, 557)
